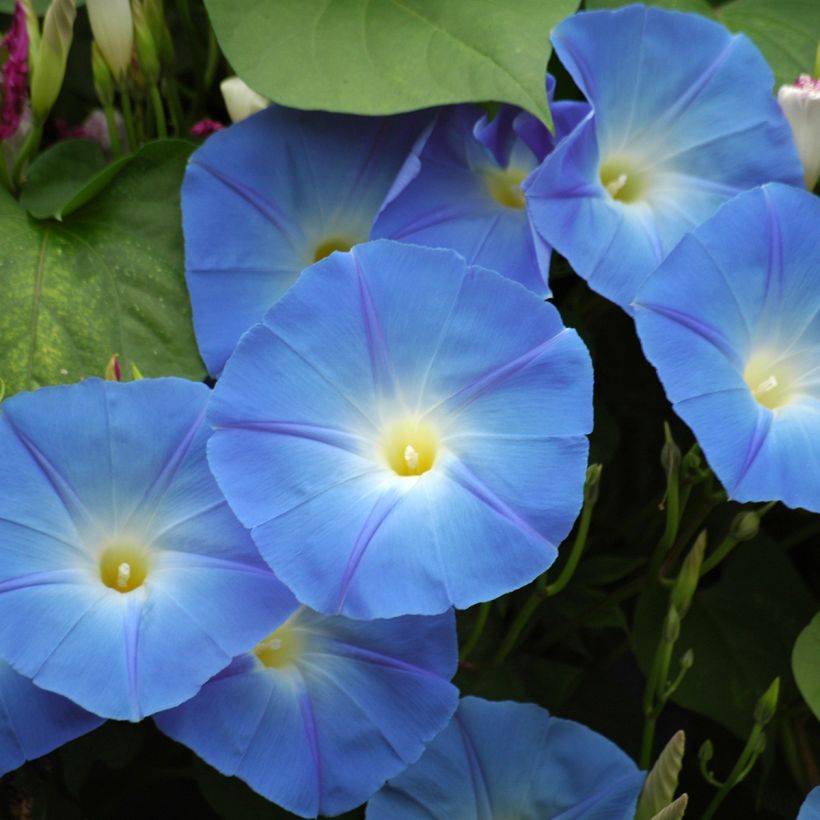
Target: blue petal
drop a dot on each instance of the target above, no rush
(260, 197)
(367, 339)
(34, 722)
(810, 810)
(100, 464)
(743, 285)
(513, 760)
(322, 734)
(448, 201)
(697, 131)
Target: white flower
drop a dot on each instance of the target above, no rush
(801, 105)
(240, 100)
(113, 29)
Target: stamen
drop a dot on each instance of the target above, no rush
(123, 575)
(766, 386)
(271, 644)
(411, 457)
(616, 185)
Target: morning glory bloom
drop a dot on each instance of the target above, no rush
(404, 432)
(125, 580)
(461, 188)
(325, 709)
(667, 142)
(269, 196)
(505, 759)
(33, 721)
(810, 810)
(731, 321)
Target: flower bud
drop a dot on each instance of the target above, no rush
(767, 705)
(113, 30)
(49, 66)
(592, 484)
(103, 81)
(688, 577)
(147, 50)
(745, 526)
(706, 751)
(801, 105)
(112, 369)
(240, 100)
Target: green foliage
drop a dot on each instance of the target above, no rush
(786, 31)
(806, 664)
(66, 177)
(108, 279)
(394, 55)
(740, 630)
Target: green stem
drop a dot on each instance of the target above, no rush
(159, 112)
(741, 768)
(518, 626)
(29, 148)
(477, 631)
(673, 516)
(654, 699)
(212, 60)
(578, 545)
(128, 118)
(113, 131)
(174, 106)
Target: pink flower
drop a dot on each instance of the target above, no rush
(13, 73)
(206, 127)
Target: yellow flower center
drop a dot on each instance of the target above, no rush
(410, 447)
(327, 247)
(770, 381)
(281, 648)
(124, 566)
(623, 180)
(505, 187)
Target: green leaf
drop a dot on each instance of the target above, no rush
(806, 664)
(741, 630)
(390, 56)
(659, 787)
(66, 177)
(109, 279)
(786, 31)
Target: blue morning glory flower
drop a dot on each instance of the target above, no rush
(325, 709)
(505, 759)
(125, 580)
(404, 432)
(810, 810)
(668, 140)
(461, 188)
(731, 321)
(269, 196)
(33, 721)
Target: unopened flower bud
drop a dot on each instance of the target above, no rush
(687, 660)
(112, 369)
(767, 705)
(687, 580)
(147, 50)
(592, 484)
(113, 30)
(103, 81)
(706, 751)
(801, 105)
(49, 67)
(745, 526)
(240, 100)
(671, 626)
